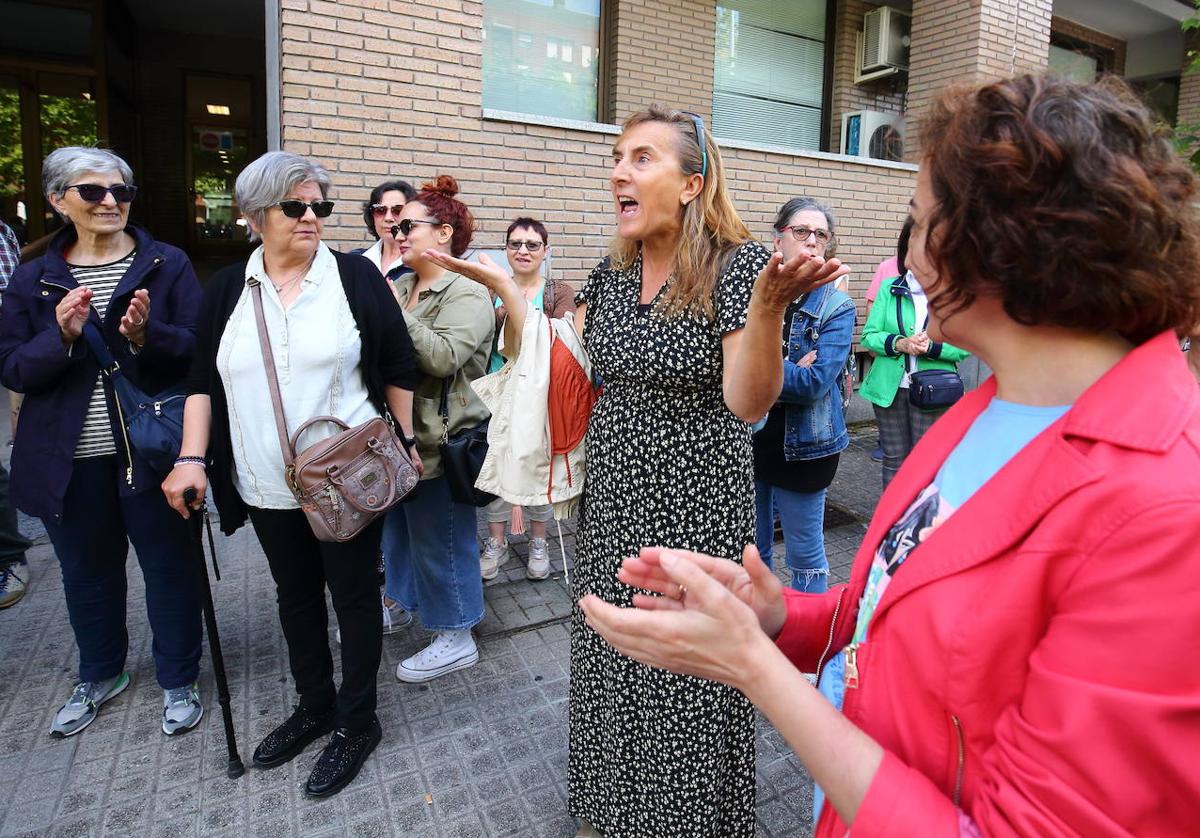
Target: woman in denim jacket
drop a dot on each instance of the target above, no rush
(796, 451)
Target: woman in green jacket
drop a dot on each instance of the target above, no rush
(895, 332)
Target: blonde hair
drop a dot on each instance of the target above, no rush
(712, 229)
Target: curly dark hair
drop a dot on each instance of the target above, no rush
(1065, 202)
(438, 198)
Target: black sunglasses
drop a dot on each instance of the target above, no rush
(405, 225)
(380, 210)
(531, 245)
(94, 193)
(296, 209)
(698, 124)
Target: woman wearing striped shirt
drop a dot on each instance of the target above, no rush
(71, 465)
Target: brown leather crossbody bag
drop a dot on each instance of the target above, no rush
(343, 482)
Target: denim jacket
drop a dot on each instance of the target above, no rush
(815, 422)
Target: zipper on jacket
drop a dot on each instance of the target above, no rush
(962, 761)
(851, 652)
(829, 643)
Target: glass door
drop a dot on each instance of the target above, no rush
(14, 206)
(219, 126)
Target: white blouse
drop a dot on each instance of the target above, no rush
(318, 356)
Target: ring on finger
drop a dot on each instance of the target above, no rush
(682, 593)
(140, 323)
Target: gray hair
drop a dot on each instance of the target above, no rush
(800, 204)
(64, 166)
(269, 179)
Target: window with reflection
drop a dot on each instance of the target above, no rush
(539, 57)
(769, 71)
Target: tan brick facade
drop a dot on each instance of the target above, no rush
(1189, 84)
(374, 89)
(971, 41)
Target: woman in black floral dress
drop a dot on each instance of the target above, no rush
(687, 344)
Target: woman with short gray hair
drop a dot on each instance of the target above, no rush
(72, 465)
(340, 349)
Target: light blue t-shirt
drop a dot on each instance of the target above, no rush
(996, 436)
(497, 360)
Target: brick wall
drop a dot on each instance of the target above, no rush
(374, 89)
(971, 41)
(885, 95)
(662, 52)
(1062, 26)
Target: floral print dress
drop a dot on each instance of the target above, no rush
(653, 753)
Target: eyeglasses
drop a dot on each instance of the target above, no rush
(406, 224)
(801, 233)
(380, 210)
(296, 209)
(531, 246)
(94, 193)
(698, 123)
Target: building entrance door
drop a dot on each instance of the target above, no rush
(220, 124)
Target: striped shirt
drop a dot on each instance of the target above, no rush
(96, 438)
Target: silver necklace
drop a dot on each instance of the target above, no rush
(279, 286)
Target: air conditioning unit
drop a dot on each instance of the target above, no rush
(883, 44)
(875, 135)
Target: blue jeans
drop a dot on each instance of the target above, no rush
(802, 515)
(431, 558)
(92, 542)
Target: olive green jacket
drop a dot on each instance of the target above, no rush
(451, 329)
(880, 335)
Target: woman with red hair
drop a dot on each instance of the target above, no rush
(429, 542)
(1015, 650)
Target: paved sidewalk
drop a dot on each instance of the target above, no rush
(477, 753)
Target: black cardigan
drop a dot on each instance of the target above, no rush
(387, 358)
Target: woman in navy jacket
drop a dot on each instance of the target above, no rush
(71, 464)
(796, 451)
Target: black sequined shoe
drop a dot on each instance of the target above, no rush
(292, 737)
(341, 760)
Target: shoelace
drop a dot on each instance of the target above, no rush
(5, 573)
(82, 694)
(179, 697)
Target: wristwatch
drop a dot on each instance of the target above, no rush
(410, 442)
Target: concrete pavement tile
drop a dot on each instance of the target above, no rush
(468, 826)
(278, 826)
(177, 802)
(530, 775)
(374, 825)
(562, 826)
(26, 815)
(129, 785)
(221, 817)
(413, 819)
(316, 815)
(269, 804)
(128, 818)
(491, 790)
(186, 826)
(506, 817)
(42, 784)
(13, 765)
(445, 775)
(77, 826)
(516, 752)
(452, 803)
(434, 751)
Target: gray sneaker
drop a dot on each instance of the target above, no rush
(12, 586)
(83, 705)
(182, 709)
(495, 551)
(538, 566)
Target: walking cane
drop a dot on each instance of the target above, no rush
(197, 520)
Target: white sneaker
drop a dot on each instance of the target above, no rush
(539, 559)
(495, 551)
(450, 651)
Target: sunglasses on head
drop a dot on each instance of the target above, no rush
(380, 210)
(94, 193)
(296, 209)
(405, 225)
(698, 124)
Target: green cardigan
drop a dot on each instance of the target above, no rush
(880, 335)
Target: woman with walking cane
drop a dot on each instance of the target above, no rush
(339, 349)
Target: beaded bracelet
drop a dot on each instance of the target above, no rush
(190, 461)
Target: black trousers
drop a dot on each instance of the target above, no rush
(302, 566)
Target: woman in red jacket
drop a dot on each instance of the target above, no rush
(1015, 651)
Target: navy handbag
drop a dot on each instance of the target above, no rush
(153, 424)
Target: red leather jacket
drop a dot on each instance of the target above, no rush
(1034, 667)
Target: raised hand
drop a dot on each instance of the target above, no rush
(486, 272)
(780, 282)
(752, 582)
(133, 322)
(72, 312)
